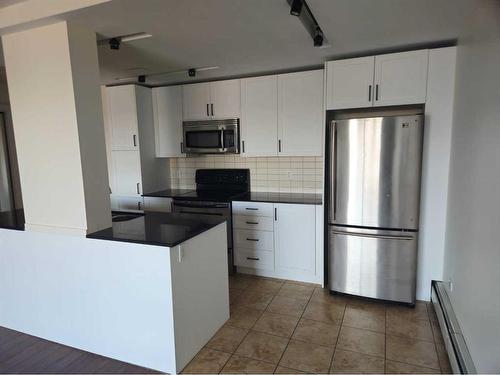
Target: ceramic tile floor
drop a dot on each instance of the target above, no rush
(279, 326)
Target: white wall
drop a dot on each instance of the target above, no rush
(472, 259)
(87, 93)
(46, 111)
(435, 168)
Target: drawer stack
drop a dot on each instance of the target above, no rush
(253, 224)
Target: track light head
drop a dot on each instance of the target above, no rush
(318, 38)
(114, 43)
(296, 8)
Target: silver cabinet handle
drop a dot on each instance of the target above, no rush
(275, 214)
(182, 147)
(376, 91)
(243, 146)
(139, 206)
(212, 108)
(134, 137)
(252, 222)
(370, 93)
(251, 209)
(208, 112)
(376, 236)
(279, 145)
(253, 239)
(138, 191)
(252, 258)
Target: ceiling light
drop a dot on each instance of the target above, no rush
(137, 36)
(300, 9)
(296, 8)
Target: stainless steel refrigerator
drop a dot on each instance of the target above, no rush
(374, 197)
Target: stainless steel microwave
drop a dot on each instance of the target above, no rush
(212, 136)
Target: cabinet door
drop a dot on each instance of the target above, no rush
(350, 83)
(167, 111)
(225, 99)
(122, 114)
(127, 172)
(259, 116)
(300, 114)
(401, 78)
(196, 101)
(295, 241)
(129, 203)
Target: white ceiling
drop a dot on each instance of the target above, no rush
(255, 36)
(6, 3)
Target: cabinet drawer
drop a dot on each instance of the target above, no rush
(253, 222)
(253, 209)
(254, 259)
(254, 239)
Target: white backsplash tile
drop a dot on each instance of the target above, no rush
(274, 174)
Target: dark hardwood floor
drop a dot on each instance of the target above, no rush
(23, 354)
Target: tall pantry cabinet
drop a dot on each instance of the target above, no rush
(130, 146)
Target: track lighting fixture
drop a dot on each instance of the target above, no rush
(115, 42)
(300, 9)
(296, 8)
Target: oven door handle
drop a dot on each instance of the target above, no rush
(200, 213)
(189, 205)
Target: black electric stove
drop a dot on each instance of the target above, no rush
(215, 188)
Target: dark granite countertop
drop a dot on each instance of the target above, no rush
(296, 198)
(258, 196)
(158, 228)
(12, 219)
(168, 193)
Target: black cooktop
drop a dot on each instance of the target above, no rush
(218, 185)
(210, 195)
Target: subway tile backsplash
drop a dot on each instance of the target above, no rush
(274, 174)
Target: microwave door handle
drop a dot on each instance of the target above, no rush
(222, 145)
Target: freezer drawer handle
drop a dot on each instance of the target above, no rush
(253, 239)
(250, 258)
(379, 236)
(252, 222)
(251, 209)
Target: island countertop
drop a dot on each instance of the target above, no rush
(158, 228)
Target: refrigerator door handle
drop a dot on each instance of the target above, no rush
(378, 236)
(333, 176)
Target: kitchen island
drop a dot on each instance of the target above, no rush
(149, 291)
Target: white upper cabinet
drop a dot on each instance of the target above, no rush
(295, 241)
(391, 79)
(122, 115)
(300, 113)
(225, 99)
(401, 78)
(196, 101)
(259, 116)
(211, 100)
(167, 111)
(350, 83)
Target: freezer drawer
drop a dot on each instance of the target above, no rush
(373, 263)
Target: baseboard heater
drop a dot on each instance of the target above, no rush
(460, 359)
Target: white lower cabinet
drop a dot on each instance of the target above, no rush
(295, 241)
(124, 203)
(279, 240)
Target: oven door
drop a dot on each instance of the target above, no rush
(210, 138)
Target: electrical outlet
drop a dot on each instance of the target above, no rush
(450, 284)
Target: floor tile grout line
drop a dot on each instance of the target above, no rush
(412, 364)
(290, 339)
(338, 337)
